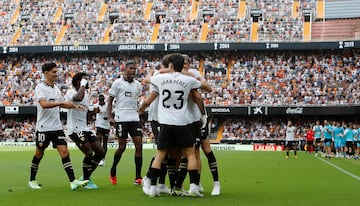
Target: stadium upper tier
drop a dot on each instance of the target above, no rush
(56, 22)
(242, 78)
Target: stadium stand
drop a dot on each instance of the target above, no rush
(239, 78)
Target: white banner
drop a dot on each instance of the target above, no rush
(17, 146)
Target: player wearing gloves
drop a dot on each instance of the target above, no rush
(78, 130)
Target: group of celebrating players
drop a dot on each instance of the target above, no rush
(176, 111)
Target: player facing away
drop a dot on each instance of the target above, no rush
(291, 143)
(155, 128)
(173, 90)
(201, 132)
(102, 125)
(49, 127)
(78, 130)
(126, 91)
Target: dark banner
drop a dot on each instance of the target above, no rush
(237, 111)
(217, 46)
(227, 110)
(285, 111)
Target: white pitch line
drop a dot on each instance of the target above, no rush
(340, 169)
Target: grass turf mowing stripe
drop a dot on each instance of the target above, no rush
(340, 169)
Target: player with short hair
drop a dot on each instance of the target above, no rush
(79, 132)
(356, 131)
(338, 131)
(102, 125)
(155, 127)
(49, 127)
(290, 142)
(201, 132)
(317, 128)
(328, 138)
(126, 91)
(310, 137)
(349, 140)
(173, 90)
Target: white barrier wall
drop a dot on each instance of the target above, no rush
(17, 146)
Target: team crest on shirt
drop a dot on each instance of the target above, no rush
(128, 94)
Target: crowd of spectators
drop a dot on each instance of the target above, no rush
(38, 24)
(252, 78)
(17, 129)
(242, 78)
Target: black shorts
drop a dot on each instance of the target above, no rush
(327, 140)
(349, 144)
(171, 136)
(155, 128)
(104, 133)
(309, 142)
(205, 132)
(318, 140)
(123, 129)
(290, 144)
(83, 137)
(196, 131)
(43, 139)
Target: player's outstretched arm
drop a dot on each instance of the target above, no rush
(147, 102)
(51, 104)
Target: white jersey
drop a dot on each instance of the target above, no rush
(290, 133)
(126, 95)
(47, 119)
(101, 116)
(153, 108)
(77, 119)
(193, 107)
(173, 90)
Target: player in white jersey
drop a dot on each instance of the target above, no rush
(49, 127)
(155, 127)
(102, 125)
(126, 91)
(290, 141)
(201, 132)
(173, 90)
(78, 129)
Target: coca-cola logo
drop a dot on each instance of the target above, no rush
(297, 110)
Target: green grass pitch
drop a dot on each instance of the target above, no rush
(247, 178)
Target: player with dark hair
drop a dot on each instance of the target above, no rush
(126, 91)
(290, 139)
(318, 136)
(328, 138)
(201, 132)
(49, 127)
(78, 130)
(173, 90)
(102, 125)
(155, 127)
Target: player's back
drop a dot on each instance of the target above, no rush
(173, 90)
